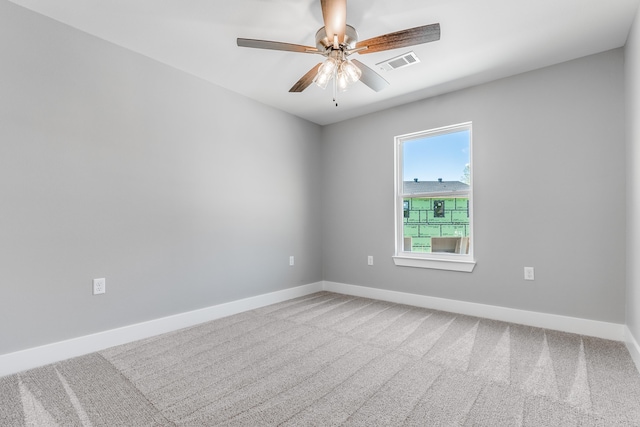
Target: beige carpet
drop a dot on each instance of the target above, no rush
(329, 359)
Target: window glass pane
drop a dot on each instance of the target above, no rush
(436, 224)
(436, 163)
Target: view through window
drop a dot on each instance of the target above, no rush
(433, 200)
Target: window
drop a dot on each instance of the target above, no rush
(433, 200)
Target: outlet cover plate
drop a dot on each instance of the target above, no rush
(528, 273)
(99, 286)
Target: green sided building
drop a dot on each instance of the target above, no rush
(437, 223)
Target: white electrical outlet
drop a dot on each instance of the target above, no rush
(292, 260)
(99, 286)
(370, 260)
(528, 273)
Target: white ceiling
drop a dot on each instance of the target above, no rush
(481, 40)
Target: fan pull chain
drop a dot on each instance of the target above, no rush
(335, 87)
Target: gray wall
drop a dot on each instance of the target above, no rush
(632, 81)
(549, 155)
(182, 194)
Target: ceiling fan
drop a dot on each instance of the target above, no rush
(336, 41)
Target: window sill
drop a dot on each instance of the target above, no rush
(465, 266)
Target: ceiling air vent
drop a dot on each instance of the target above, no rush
(401, 61)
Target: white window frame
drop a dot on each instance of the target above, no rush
(439, 261)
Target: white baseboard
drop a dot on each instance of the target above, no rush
(632, 345)
(594, 328)
(39, 356)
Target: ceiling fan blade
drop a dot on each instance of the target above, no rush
(266, 44)
(404, 38)
(306, 80)
(369, 77)
(334, 13)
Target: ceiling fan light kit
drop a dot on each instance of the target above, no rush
(336, 41)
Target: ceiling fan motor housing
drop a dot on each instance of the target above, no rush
(324, 41)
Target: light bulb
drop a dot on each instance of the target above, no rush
(343, 81)
(322, 80)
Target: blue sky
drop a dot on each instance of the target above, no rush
(433, 157)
